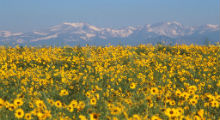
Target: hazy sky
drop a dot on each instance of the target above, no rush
(26, 15)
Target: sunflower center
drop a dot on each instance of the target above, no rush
(171, 112)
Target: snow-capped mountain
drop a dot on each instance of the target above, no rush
(83, 33)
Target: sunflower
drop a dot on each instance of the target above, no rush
(197, 117)
(154, 91)
(115, 111)
(27, 116)
(155, 117)
(185, 95)
(201, 113)
(82, 117)
(191, 92)
(172, 102)
(11, 107)
(58, 104)
(39, 103)
(40, 115)
(19, 113)
(94, 116)
(196, 97)
(178, 93)
(136, 117)
(47, 113)
(50, 101)
(214, 103)
(31, 105)
(180, 111)
(18, 102)
(70, 108)
(74, 103)
(193, 102)
(93, 101)
(217, 98)
(133, 85)
(2, 103)
(64, 92)
(81, 105)
(170, 112)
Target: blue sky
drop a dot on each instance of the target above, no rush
(26, 15)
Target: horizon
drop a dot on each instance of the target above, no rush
(25, 15)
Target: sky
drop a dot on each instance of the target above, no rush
(28, 15)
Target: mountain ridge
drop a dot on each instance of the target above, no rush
(83, 33)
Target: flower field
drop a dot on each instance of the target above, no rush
(110, 83)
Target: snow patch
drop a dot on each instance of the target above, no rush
(40, 33)
(45, 38)
(74, 24)
(212, 26)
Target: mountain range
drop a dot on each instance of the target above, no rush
(83, 33)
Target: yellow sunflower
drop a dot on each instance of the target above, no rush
(136, 117)
(70, 108)
(74, 103)
(39, 103)
(19, 113)
(2, 103)
(193, 102)
(154, 91)
(18, 102)
(64, 92)
(93, 101)
(155, 117)
(94, 116)
(11, 107)
(81, 105)
(133, 85)
(27, 116)
(58, 104)
(115, 111)
(170, 112)
(82, 117)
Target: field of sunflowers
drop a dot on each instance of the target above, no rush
(142, 82)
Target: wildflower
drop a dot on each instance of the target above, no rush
(82, 117)
(136, 117)
(11, 107)
(19, 113)
(2, 102)
(64, 92)
(58, 104)
(27, 116)
(179, 111)
(18, 102)
(197, 117)
(170, 112)
(70, 108)
(154, 91)
(50, 101)
(201, 113)
(155, 117)
(172, 102)
(193, 102)
(115, 111)
(94, 116)
(74, 103)
(93, 101)
(39, 103)
(214, 104)
(178, 93)
(81, 105)
(133, 85)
